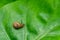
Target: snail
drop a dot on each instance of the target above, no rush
(17, 25)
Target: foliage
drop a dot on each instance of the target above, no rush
(41, 19)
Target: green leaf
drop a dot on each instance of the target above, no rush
(4, 2)
(41, 19)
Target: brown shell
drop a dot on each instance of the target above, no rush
(17, 25)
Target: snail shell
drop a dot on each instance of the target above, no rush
(17, 25)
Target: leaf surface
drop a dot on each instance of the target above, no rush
(41, 19)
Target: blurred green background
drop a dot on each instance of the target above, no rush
(41, 19)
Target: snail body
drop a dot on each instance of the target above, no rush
(17, 25)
